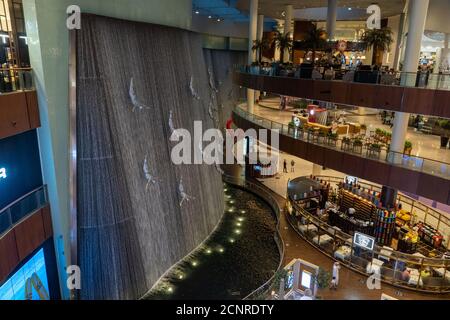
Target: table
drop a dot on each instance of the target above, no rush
(324, 239)
(308, 228)
(385, 253)
(374, 267)
(343, 253)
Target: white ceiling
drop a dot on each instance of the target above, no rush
(275, 8)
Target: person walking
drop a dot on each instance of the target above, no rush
(292, 166)
(285, 170)
(336, 268)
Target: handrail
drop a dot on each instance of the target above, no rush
(424, 80)
(255, 188)
(392, 157)
(39, 201)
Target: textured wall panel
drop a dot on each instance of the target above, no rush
(129, 236)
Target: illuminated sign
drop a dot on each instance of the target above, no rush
(364, 241)
(2, 173)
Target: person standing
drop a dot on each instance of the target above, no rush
(336, 268)
(285, 166)
(292, 166)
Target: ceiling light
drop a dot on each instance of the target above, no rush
(197, 12)
(218, 20)
(209, 17)
(349, 9)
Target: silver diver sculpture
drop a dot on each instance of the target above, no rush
(150, 179)
(137, 105)
(193, 92)
(184, 196)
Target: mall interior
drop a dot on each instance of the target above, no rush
(349, 198)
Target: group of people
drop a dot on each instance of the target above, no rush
(285, 166)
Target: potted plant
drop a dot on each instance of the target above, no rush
(259, 46)
(375, 147)
(283, 42)
(380, 40)
(408, 147)
(322, 279)
(444, 126)
(315, 39)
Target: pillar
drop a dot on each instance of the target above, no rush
(253, 14)
(259, 36)
(331, 19)
(401, 28)
(289, 11)
(317, 170)
(417, 17)
(446, 41)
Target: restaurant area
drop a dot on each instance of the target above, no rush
(406, 243)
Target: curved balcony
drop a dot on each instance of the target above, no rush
(425, 177)
(339, 245)
(24, 225)
(401, 92)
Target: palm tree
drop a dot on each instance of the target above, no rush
(379, 39)
(283, 42)
(315, 39)
(260, 46)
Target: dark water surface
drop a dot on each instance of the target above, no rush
(239, 257)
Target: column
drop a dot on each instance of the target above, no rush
(399, 41)
(417, 17)
(289, 11)
(259, 36)
(446, 40)
(317, 170)
(331, 19)
(253, 14)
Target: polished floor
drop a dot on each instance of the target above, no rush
(424, 145)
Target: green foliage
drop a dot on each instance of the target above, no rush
(283, 42)
(315, 39)
(379, 38)
(279, 275)
(300, 104)
(408, 144)
(323, 279)
(444, 124)
(259, 46)
(357, 142)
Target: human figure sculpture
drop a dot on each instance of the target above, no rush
(137, 105)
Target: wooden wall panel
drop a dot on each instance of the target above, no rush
(441, 103)
(417, 100)
(14, 114)
(376, 171)
(333, 159)
(362, 94)
(9, 258)
(47, 222)
(352, 165)
(391, 98)
(339, 91)
(388, 97)
(29, 234)
(322, 90)
(33, 109)
(432, 187)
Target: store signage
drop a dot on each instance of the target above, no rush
(2, 173)
(364, 241)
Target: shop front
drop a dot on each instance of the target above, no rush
(406, 243)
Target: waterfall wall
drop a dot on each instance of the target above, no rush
(132, 79)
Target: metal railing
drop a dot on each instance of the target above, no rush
(20, 209)
(16, 79)
(267, 196)
(425, 274)
(358, 147)
(425, 80)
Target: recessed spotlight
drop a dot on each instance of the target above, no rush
(209, 17)
(218, 20)
(197, 12)
(349, 9)
(194, 263)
